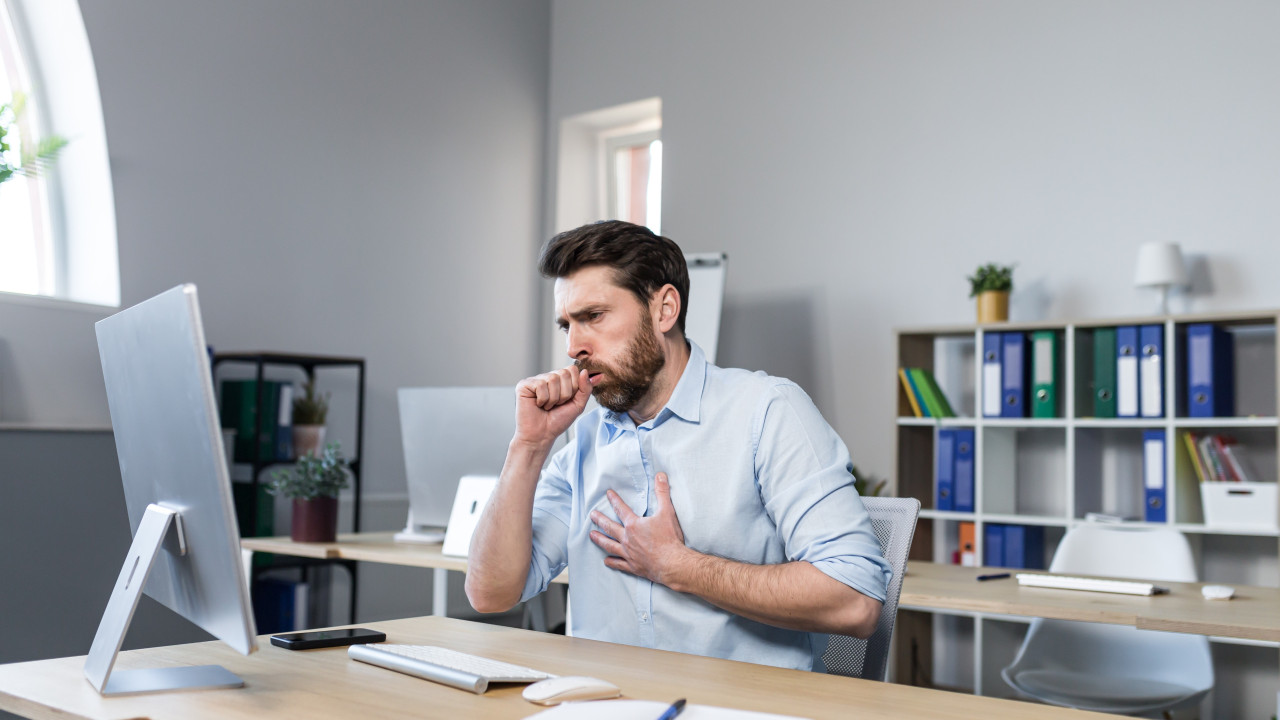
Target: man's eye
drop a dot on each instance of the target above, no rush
(595, 315)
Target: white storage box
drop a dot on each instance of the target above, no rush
(1239, 504)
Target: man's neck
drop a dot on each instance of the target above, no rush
(677, 354)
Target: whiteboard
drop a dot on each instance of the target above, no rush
(706, 298)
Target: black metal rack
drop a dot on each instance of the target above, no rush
(308, 364)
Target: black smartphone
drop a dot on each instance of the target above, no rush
(327, 638)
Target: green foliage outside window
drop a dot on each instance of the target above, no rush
(26, 163)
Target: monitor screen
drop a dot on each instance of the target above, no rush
(449, 432)
(164, 416)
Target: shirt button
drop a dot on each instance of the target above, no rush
(644, 617)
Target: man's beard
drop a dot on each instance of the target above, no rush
(625, 386)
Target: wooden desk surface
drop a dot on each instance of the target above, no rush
(1254, 612)
(325, 683)
(369, 547)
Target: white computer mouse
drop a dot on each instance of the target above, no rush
(556, 690)
(1217, 592)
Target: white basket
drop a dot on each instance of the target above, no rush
(1239, 504)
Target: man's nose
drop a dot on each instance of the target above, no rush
(575, 344)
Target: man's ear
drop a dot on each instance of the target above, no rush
(666, 308)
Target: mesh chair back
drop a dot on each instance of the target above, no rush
(894, 523)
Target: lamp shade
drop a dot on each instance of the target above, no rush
(1160, 263)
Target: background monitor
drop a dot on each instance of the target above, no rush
(186, 549)
(449, 432)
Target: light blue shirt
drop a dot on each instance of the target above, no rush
(756, 476)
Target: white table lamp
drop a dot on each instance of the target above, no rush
(1160, 265)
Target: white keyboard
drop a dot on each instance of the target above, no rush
(1067, 582)
(442, 665)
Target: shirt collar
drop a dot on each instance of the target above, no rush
(685, 401)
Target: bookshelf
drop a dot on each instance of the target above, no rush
(1052, 472)
(250, 490)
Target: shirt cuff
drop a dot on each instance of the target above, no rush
(550, 540)
(862, 574)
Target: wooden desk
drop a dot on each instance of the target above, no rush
(326, 684)
(379, 548)
(369, 547)
(1254, 612)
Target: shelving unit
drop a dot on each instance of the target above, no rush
(314, 572)
(1054, 471)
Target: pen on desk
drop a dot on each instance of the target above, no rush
(673, 711)
(993, 576)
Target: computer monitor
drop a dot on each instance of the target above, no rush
(186, 549)
(449, 432)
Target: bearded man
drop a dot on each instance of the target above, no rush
(701, 509)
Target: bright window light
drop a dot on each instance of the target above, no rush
(635, 179)
(58, 237)
(653, 193)
(26, 249)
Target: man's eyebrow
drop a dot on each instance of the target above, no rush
(582, 313)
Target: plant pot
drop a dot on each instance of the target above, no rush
(993, 306)
(314, 520)
(308, 440)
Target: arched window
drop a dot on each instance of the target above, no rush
(57, 232)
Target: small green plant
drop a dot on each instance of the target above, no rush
(27, 163)
(991, 277)
(867, 485)
(312, 407)
(312, 477)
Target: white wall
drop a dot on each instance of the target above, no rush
(338, 178)
(858, 159)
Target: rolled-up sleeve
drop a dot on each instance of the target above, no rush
(552, 503)
(802, 468)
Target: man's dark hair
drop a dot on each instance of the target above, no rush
(642, 261)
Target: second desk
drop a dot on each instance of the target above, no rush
(379, 548)
(1253, 614)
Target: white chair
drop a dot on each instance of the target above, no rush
(1114, 668)
(894, 522)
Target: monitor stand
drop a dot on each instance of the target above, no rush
(160, 527)
(421, 534)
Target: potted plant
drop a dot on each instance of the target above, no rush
(309, 413)
(313, 483)
(991, 284)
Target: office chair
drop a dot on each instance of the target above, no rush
(894, 523)
(1114, 668)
